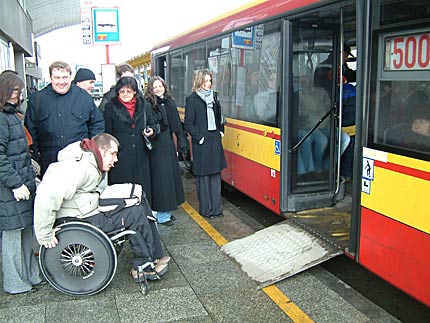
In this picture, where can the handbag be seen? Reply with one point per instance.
(223, 118)
(147, 141)
(116, 197)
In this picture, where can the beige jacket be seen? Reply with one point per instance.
(68, 189)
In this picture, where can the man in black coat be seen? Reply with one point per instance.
(60, 114)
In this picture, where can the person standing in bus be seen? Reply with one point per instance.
(17, 190)
(127, 119)
(203, 123)
(166, 183)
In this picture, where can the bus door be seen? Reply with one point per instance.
(309, 121)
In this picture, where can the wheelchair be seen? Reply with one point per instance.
(85, 260)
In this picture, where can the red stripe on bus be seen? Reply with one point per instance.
(259, 182)
(396, 252)
(403, 170)
(271, 134)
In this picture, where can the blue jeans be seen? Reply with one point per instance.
(312, 151)
(163, 217)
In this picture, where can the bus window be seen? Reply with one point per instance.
(400, 100)
(403, 110)
(261, 74)
(195, 59)
(395, 11)
(177, 72)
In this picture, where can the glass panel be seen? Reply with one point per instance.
(312, 67)
(177, 72)
(247, 77)
(398, 11)
(195, 59)
(402, 117)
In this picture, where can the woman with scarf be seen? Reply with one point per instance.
(127, 119)
(17, 189)
(203, 121)
(166, 182)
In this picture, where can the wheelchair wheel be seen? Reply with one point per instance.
(84, 261)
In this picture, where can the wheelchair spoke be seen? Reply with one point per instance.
(78, 260)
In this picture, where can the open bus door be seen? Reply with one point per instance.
(310, 126)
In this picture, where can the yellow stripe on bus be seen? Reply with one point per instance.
(252, 141)
(394, 194)
(275, 294)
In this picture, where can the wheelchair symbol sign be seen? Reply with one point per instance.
(277, 147)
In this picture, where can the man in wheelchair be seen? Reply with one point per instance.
(69, 190)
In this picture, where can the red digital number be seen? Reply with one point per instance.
(410, 52)
(398, 51)
(424, 46)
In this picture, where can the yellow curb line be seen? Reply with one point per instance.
(274, 293)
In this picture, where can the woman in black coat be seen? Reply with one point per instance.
(17, 189)
(126, 118)
(166, 181)
(203, 121)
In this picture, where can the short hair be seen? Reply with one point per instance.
(126, 81)
(199, 79)
(149, 92)
(9, 71)
(122, 68)
(104, 140)
(60, 66)
(9, 82)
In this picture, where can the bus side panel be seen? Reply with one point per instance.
(255, 180)
(397, 253)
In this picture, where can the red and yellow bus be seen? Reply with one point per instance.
(277, 67)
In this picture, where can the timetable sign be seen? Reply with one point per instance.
(106, 26)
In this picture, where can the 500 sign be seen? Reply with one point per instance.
(408, 52)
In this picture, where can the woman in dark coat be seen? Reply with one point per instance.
(17, 188)
(203, 121)
(126, 119)
(166, 181)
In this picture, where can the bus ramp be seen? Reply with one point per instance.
(279, 251)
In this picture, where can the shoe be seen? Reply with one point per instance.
(161, 269)
(161, 261)
(167, 223)
(41, 283)
(32, 290)
(149, 275)
(209, 216)
(219, 215)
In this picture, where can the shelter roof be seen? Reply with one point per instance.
(49, 15)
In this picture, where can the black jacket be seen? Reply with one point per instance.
(56, 120)
(208, 158)
(166, 181)
(15, 170)
(133, 160)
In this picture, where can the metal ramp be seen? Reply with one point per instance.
(280, 251)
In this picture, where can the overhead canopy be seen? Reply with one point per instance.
(49, 15)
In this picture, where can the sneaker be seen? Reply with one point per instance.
(167, 223)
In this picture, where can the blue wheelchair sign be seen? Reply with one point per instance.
(277, 147)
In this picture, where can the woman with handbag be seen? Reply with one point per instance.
(166, 182)
(203, 121)
(127, 118)
(17, 190)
